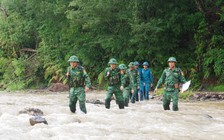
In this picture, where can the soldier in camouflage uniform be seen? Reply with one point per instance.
(113, 75)
(125, 84)
(172, 77)
(79, 83)
(134, 80)
(139, 72)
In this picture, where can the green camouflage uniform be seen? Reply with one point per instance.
(171, 78)
(77, 82)
(134, 83)
(125, 82)
(114, 82)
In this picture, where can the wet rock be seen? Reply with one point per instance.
(76, 120)
(37, 119)
(202, 98)
(32, 111)
(93, 101)
(159, 98)
(221, 97)
(208, 116)
(58, 87)
(151, 96)
(208, 96)
(213, 99)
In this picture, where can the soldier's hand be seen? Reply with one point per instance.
(108, 73)
(138, 87)
(155, 90)
(121, 88)
(86, 89)
(132, 90)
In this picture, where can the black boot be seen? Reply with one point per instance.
(121, 105)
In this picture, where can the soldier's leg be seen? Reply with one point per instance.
(141, 92)
(72, 100)
(175, 100)
(133, 95)
(166, 100)
(136, 95)
(126, 96)
(108, 97)
(147, 91)
(82, 100)
(144, 92)
(119, 97)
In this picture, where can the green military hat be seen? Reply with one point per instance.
(122, 67)
(73, 58)
(131, 64)
(112, 61)
(172, 59)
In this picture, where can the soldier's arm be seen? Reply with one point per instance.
(87, 79)
(68, 71)
(161, 79)
(105, 73)
(123, 80)
(138, 78)
(182, 79)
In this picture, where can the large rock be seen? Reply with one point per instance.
(210, 96)
(37, 119)
(93, 101)
(58, 87)
(32, 111)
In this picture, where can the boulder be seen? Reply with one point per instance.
(32, 111)
(37, 119)
(93, 101)
(58, 87)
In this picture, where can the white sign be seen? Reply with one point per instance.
(185, 86)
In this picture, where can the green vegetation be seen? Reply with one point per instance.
(38, 36)
(217, 88)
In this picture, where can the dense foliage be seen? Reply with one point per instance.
(38, 36)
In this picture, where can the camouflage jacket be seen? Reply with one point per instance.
(125, 80)
(114, 77)
(171, 78)
(134, 77)
(78, 77)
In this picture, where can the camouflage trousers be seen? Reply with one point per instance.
(76, 94)
(167, 96)
(126, 92)
(118, 94)
(133, 95)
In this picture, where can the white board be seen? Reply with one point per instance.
(185, 86)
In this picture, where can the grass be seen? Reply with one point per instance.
(216, 88)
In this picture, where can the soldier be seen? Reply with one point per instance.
(79, 83)
(134, 77)
(125, 84)
(139, 72)
(146, 81)
(112, 74)
(172, 77)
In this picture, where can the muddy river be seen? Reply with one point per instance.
(142, 120)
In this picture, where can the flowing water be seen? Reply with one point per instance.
(143, 120)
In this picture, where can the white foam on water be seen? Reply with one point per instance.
(142, 120)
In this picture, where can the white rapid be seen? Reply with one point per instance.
(142, 120)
